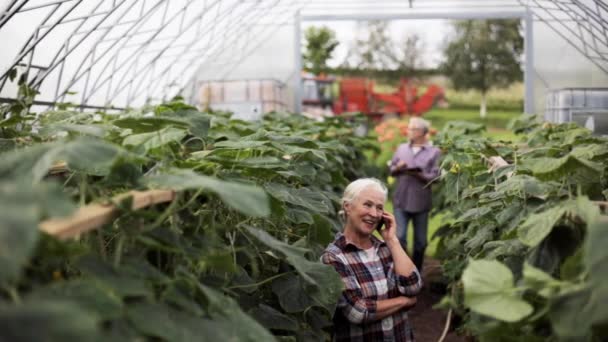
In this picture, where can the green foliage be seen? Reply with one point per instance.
(234, 257)
(521, 249)
(484, 54)
(320, 45)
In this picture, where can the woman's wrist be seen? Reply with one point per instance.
(392, 241)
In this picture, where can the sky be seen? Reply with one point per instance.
(432, 33)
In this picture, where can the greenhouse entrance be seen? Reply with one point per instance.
(524, 15)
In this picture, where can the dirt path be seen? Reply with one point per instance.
(429, 323)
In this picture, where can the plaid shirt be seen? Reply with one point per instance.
(367, 281)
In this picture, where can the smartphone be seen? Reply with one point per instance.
(380, 224)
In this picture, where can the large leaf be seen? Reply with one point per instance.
(555, 168)
(146, 141)
(327, 285)
(489, 290)
(242, 326)
(291, 292)
(86, 293)
(149, 124)
(580, 308)
(539, 225)
(248, 199)
(526, 186)
(273, 319)
(47, 321)
(90, 156)
(304, 197)
(162, 321)
(540, 281)
(22, 205)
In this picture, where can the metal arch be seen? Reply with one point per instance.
(192, 80)
(188, 47)
(29, 47)
(583, 26)
(125, 35)
(233, 45)
(8, 13)
(56, 59)
(209, 46)
(133, 57)
(600, 59)
(180, 55)
(120, 85)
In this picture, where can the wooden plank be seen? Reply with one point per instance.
(92, 216)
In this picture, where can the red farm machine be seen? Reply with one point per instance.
(359, 95)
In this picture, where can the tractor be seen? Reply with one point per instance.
(359, 95)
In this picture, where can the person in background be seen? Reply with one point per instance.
(415, 165)
(380, 280)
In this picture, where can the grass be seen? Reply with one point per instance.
(508, 98)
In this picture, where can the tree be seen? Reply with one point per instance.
(375, 49)
(320, 45)
(409, 53)
(484, 54)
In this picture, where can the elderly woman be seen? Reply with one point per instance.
(380, 280)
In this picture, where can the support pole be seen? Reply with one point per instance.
(529, 64)
(297, 79)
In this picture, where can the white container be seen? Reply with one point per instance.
(586, 106)
(247, 99)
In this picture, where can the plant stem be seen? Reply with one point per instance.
(259, 283)
(118, 251)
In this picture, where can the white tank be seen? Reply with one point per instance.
(586, 106)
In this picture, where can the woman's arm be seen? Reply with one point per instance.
(387, 307)
(407, 278)
(355, 307)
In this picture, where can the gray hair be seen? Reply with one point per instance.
(352, 191)
(420, 123)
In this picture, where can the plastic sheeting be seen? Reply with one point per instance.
(131, 52)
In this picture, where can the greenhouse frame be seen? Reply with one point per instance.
(101, 54)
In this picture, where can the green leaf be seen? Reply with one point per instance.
(539, 225)
(326, 283)
(474, 214)
(47, 321)
(161, 321)
(7, 145)
(147, 125)
(525, 186)
(555, 168)
(248, 199)
(304, 197)
(291, 292)
(22, 206)
(147, 141)
(240, 144)
(91, 156)
(573, 312)
(12, 74)
(242, 326)
(273, 319)
(540, 281)
(52, 130)
(488, 290)
(86, 293)
(299, 216)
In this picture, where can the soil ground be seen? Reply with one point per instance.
(428, 323)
